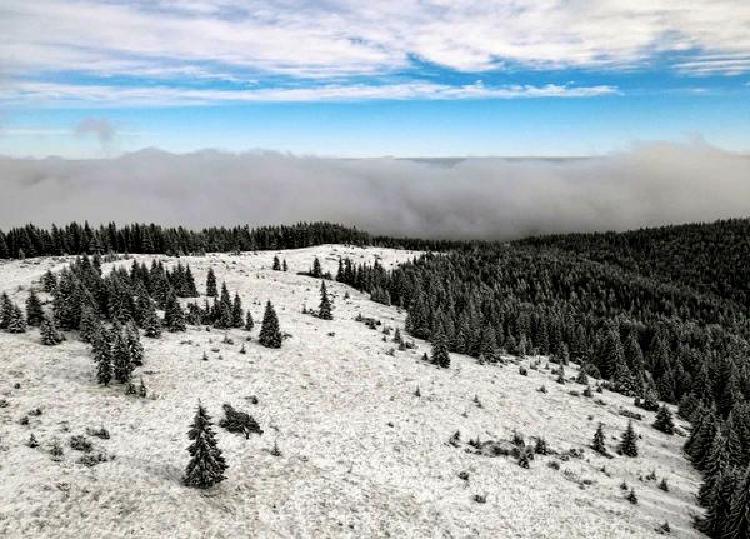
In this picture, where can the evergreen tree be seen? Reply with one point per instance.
(664, 421)
(207, 465)
(6, 310)
(717, 462)
(89, 324)
(174, 317)
(599, 445)
(738, 523)
(151, 324)
(102, 351)
(121, 359)
(211, 283)
(628, 444)
(316, 271)
(17, 321)
(34, 311)
(135, 348)
(719, 504)
(49, 334)
(49, 282)
(276, 263)
(440, 355)
(324, 311)
(582, 377)
(270, 335)
(249, 322)
(237, 311)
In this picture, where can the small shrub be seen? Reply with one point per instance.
(100, 433)
(80, 443)
(32, 443)
(522, 371)
(276, 452)
(463, 475)
(540, 447)
(554, 465)
(542, 389)
(480, 498)
(239, 422)
(631, 497)
(663, 485)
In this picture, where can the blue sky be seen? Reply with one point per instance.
(86, 78)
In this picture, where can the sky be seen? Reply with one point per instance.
(344, 78)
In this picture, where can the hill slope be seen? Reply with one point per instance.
(361, 454)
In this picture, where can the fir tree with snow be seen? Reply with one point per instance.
(17, 321)
(664, 421)
(34, 311)
(270, 335)
(211, 283)
(324, 311)
(599, 445)
(440, 355)
(249, 322)
(207, 465)
(629, 442)
(48, 331)
(237, 312)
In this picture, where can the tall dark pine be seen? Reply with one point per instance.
(101, 347)
(122, 361)
(207, 465)
(237, 311)
(738, 524)
(6, 310)
(211, 283)
(276, 263)
(17, 321)
(89, 324)
(270, 335)
(34, 311)
(440, 355)
(324, 311)
(249, 322)
(629, 442)
(316, 271)
(664, 421)
(49, 334)
(174, 317)
(598, 444)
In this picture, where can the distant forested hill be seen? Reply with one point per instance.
(706, 257)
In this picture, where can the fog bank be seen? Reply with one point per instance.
(651, 184)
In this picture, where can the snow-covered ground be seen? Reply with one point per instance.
(362, 456)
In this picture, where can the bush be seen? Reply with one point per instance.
(239, 422)
(80, 443)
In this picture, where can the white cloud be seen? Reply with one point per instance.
(302, 38)
(103, 95)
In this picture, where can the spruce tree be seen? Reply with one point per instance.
(719, 504)
(89, 324)
(717, 462)
(34, 311)
(440, 355)
(207, 465)
(17, 321)
(174, 317)
(49, 334)
(6, 310)
(628, 442)
(121, 359)
(237, 312)
(324, 311)
(211, 283)
(249, 322)
(101, 347)
(135, 348)
(276, 263)
(664, 421)
(270, 335)
(151, 323)
(316, 271)
(599, 445)
(738, 523)
(49, 282)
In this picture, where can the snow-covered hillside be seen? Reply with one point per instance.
(361, 454)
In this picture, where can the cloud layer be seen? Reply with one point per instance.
(652, 184)
(302, 49)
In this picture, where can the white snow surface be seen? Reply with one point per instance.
(362, 456)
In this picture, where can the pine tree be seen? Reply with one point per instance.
(582, 377)
(211, 283)
(738, 523)
(324, 311)
(174, 317)
(49, 282)
(133, 341)
(276, 263)
(717, 462)
(17, 321)
(151, 324)
(49, 334)
(316, 271)
(249, 322)
(6, 310)
(599, 445)
(237, 311)
(719, 504)
(664, 421)
(34, 311)
(628, 444)
(89, 324)
(207, 465)
(121, 359)
(440, 355)
(270, 335)
(102, 351)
